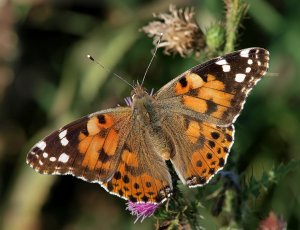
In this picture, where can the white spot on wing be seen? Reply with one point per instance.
(41, 163)
(63, 158)
(250, 61)
(41, 145)
(240, 77)
(52, 159)
(64, 141)
(62, 134)
(259, 63)
(248, 69)
(45, 155)
(245, 53)
(226, 68)
(222, 62)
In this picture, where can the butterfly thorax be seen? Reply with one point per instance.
(148, 117)
(144, 109)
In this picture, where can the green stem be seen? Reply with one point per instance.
(235, 10)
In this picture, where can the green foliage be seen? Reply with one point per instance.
(269, 178)
(179, 212)
(215, 37)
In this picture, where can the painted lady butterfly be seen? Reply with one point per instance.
(189, 122)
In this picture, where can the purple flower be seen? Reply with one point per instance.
(141, 209)
(128, 101)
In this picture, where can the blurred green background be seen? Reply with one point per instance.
(46, 81)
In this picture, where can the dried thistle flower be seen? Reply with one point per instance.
(142, 210)
(180, 32)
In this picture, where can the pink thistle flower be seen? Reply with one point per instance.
(141, 210)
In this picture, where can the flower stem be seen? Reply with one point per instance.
(235, 10)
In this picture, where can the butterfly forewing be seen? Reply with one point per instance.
(88, 148)
(216, 90)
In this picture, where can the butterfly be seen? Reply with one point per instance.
(188, 122)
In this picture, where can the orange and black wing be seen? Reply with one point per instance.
(142, 174)
(106, 148)
(215, 91)
(201, 149)
(88, 148)
(205, 101)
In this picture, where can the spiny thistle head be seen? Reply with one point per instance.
(180, 32)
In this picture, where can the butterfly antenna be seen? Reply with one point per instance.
(156, 47)
(108, 70)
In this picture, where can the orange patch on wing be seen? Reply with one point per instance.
(210, 77)
(130, 158)
(211, 159)
(81, 136)
(94, 126)
(111, 142)
(179, 89)
(208, 129)
(193, 131)
(102, 165)
(198, 164)
(151, 186)
(216, 96)
(196, 104)
(217, 85)
(143, 188)
(84, 144)
(92, 153)
(219, 112)
(193, 81)
(109, 121)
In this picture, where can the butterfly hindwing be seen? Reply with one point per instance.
(142, 174)
(209, 157)
(215, 91)
(201, 149)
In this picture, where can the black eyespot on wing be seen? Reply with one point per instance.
(101, 119)
(183, 82)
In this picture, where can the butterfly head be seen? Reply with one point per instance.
(142, 103)
(140, 95)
